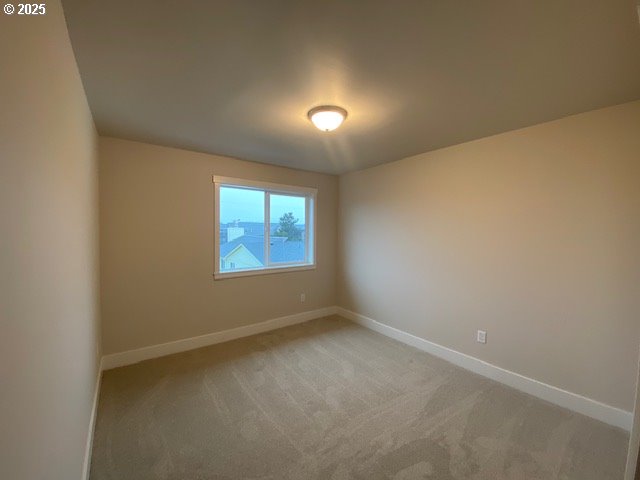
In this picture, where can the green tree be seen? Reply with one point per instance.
(287, 227)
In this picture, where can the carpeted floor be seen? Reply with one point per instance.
(331, 400)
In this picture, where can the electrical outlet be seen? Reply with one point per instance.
(482, 336)
(303, 297)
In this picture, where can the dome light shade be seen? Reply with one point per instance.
(327, 117)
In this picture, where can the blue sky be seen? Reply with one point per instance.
(248, 206)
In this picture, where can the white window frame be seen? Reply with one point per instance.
(308, 193)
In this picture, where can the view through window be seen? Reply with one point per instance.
(263, 227)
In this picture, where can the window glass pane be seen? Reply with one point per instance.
(287, 229)
(241, 229)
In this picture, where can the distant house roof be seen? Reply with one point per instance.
(282, 250)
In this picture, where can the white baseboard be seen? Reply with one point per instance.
(572, 401)
(92, 425)
(129, 357)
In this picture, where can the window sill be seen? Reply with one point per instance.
(262, 271)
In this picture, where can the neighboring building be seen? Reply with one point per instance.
(234, 232)
(231, 230)
(247, 251)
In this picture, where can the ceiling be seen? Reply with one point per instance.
(237, 77)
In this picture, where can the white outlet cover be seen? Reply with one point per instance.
(303, 297)
(482, 336)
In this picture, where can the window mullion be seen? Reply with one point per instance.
(267, 228)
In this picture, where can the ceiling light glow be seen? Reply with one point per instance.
(327, 117)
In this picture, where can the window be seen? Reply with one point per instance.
(262, 227)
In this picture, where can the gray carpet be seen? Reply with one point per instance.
(331, 400)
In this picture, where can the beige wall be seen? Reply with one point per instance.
(48, 252)
(532, 235)
(156, 213)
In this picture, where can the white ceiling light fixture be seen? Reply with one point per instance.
(327, 117)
